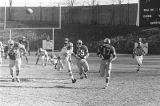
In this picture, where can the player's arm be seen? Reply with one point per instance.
(99, 51)
(86, 53)
(27, 44)
(70, 51)
(134, 52)
(22, 47)
(113, 54)
(75, 53)
(143, 52)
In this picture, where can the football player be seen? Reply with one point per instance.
(65, 56)
(25, 42)
(138, 54)
(108, 55)
(14, 58)
(81, 53)
(44, 54)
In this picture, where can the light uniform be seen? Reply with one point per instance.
(44, 54)
(81, 54)
(138, 53)
(15, 58)
(106, 52)
(65, 55)
(1, 52)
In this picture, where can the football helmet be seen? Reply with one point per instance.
(10, 42)
(107, 41)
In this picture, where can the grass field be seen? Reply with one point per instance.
(44, 86)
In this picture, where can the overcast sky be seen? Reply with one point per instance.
(62, 2)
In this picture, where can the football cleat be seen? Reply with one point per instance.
(12, 79)
(74, 80)
(106, 86)
(85, 75)
(81, 77)
(18, 80)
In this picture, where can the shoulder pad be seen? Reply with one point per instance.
(70, 44)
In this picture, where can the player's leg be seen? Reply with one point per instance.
(59, 64)
(11, 67)
(139, 61)
(108, 72)
(43, 60)
(70, 59)
(18, 67)
(28, 50)
(0, 59)
(79, 66)
(5, 55)
(26, 57)
(68, 63)
(85, 67)
(46, 58)
(102, 68)
(38, 58)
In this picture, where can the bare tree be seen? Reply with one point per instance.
(120, 1)
(93, 2)
(86, 2)
(71, 2)
(117, 1)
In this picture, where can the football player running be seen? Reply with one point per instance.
(108, 55)
(65, 56)
(81, 53)
(14, 58)
(44, 54)
(138, 54)
(25, 42)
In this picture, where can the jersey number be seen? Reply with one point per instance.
(106, 51)
(81, 53)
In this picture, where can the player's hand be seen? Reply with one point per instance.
(100, 56)
(110, 60)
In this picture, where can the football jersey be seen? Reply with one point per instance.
(14, 52)
(69, 45)
(25, 43)
(43, 53)
(138, 51)
(106, 51)
(67, 48)
(81, 51)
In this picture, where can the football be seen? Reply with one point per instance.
(29, 11)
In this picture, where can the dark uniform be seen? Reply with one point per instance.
(81, 55)
(108, 54)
